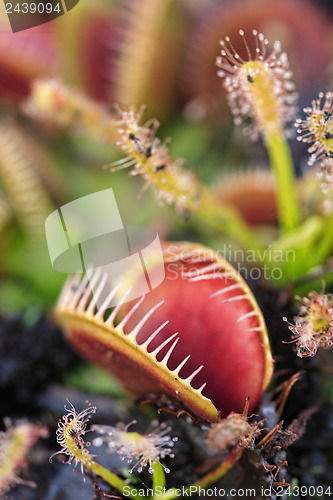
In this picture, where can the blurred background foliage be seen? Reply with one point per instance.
(161, 54)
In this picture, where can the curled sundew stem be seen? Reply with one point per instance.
(212, 477)
(283, 168)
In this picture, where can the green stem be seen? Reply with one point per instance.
(303, 236)
(294, 252)
(158, 479)
(227, 219)
(112, 479)
(212, 477)
(283, 168)
(326, 244)
(82, 455)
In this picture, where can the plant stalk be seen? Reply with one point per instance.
(283, 168)
(158, 479)
(212, 477)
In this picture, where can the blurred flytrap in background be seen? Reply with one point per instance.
(88, 103)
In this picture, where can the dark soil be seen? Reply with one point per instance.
(35, 359)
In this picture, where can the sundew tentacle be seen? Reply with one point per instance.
(140, 450)
(313, 328)
(260, 91)
(259, 87)
(317, 127)
(70, 432)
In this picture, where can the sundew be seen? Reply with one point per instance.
(142, 449)
(317, 127)
(259, 89)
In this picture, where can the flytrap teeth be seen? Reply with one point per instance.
(77, 303)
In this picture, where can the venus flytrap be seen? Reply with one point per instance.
(171, 344)
(193, 375)
(136, 60)
(192, 367)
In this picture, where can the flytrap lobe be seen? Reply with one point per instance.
(198, 338)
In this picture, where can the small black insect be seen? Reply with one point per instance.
(250, 79)
(159, 167)
(328, 115)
